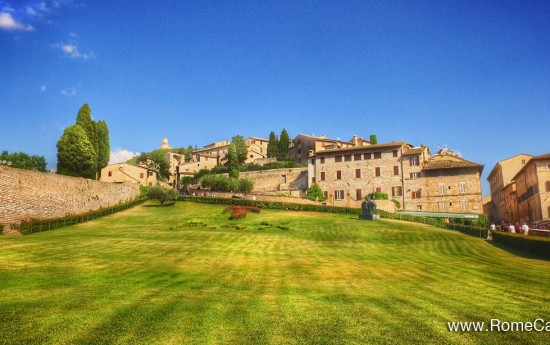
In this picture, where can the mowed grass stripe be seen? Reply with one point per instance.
(178, 275)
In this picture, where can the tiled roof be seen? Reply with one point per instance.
(362, 148)
(454, 163)
(413, 151)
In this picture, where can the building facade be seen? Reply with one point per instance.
(533, 190)
(500, 177)
(444, 182)
(124, 172)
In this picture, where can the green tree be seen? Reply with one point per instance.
(315, 193)
(104, 145)
(373, 139)
(75, 154)
(272, 145)
(242, 150)
(233, 161)
(84, 120)
(156, 160)
(284, 144)
(22, 160)
(245, 186)
(162, 195)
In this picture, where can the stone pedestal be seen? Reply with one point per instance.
(369, 216)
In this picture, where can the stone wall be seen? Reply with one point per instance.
(291, 181)
(26, 194)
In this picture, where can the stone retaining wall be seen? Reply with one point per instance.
(26, 194)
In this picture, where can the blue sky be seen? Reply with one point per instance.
(473, 76)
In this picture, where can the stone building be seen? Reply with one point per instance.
(444, 182)
(533, 190)
(302, 144)
(124, 172)
(500, 177)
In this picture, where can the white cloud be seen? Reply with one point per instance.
(8, 23)
(70, 92)
(70, 49)
(121, 156)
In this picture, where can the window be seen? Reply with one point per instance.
(462, 187)
(347, 158)
(441, 189)
(396, 170)
(414, 161)
(313, 161)
(357, 173)
(416, 195)
(357, 157)
(312, 180)
(358, 194)
(339, 195)
(283, 179)
(322, 160)
(367, 156)
(463, 205)
(149, 173)
(141, 175)
(394, 153)
(325, 194)
(419, 207)
(377, 171)
(150, 184)
(110, 173)
(442, 206)
(338, 159)
(377, 155)
(415, 175)
(548, 187)
(397, 191)
(523, 161)
(339, 174)
(322, 175)
(378, 189)
(461, 172)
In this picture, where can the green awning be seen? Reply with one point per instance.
(440, 214)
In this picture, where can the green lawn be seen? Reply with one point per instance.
(171, 275)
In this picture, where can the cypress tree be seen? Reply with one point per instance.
(104, 146)
(233, 161)
(84, 120)
(284, 144)
(240, 145)
(272, 145)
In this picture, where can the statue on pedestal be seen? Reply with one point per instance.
(368, 208)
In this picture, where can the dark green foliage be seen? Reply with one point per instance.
(104, 146)
(187, 180)
(531, 244)
(220, 183)
(269, 166)
(284, 144)
(379, 196)
(240, 146)
(143, 191)
(272, 145)
(157, 161)
(233, 161)
(397, 203)
(84, 120)
(201, 173)
(219, 169)
(162, 195)
(22, 160)
(75, 154)
(373, 139)
(315, 193)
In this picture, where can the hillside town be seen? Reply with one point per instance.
(439, 184)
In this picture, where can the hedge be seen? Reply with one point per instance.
(274, 205)
(31, 226)
(532, 244)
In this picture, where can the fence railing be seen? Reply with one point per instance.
(32, 226)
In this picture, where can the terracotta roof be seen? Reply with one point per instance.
(450, 164)
(371, 147)
(413, 151)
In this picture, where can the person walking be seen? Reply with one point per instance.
(525, 229)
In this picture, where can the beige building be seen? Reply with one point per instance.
(444, 182)
(302, 145)
(533, 190)
(502, 175)
(124, 172)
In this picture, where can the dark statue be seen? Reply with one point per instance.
(368, 208)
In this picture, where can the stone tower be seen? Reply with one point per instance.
(164, 144)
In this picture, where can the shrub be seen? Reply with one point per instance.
(158, 193)
(220, 183)
(397, 203)
(380, 196)
(532, 244)
(315, 193)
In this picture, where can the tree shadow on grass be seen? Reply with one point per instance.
(518, 252)
(167, 204)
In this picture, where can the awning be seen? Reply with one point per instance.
(440, 214)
